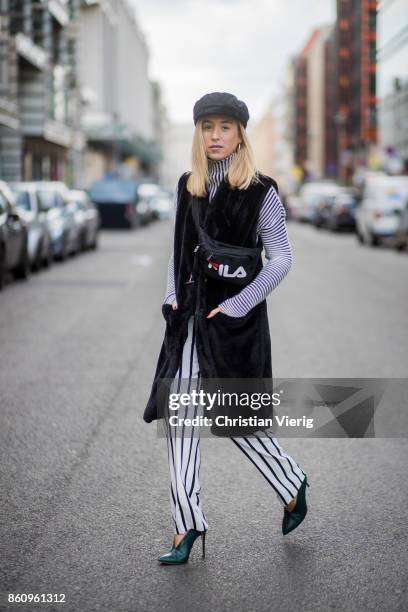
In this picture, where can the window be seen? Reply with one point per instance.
(371, 83)
(46, 199)
(372, 20)
(22, 199)
(372, 52)
(37, 22)
(4, 73)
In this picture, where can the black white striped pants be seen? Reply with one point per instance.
(280, 470)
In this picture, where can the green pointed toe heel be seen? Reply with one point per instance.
(291, 520)
(180, 553)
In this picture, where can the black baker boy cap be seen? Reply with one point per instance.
(221, 103)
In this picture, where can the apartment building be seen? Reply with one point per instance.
(40, 136)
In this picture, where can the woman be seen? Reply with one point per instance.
(216, 329)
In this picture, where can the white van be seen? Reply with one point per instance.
(376, 216)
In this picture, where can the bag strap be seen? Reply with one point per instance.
(199, 278)
(196, 215)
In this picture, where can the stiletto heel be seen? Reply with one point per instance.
(180, 553)
(291, 520)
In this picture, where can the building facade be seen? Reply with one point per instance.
(300, 110)
(310, 98)
(330, 131)
(40, 136)
(76, 99)
(120, 101)
(393, 81)
(355, 119)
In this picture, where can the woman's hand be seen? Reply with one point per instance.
(174, 306)
(214, 312)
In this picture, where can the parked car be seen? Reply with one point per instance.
(53, 196)
(147, 192)
(312, 195)
(144, 210)
(87, 218)
(162, 206)
(336, 211)
(39, 236)
(322, 211)
(117, 201)
(401, 233)
(341, 215)
(293, 207)
(378, 215)
(14, 254)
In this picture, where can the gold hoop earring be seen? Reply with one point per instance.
(238, 147)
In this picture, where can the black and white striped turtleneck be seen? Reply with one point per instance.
(273, 231)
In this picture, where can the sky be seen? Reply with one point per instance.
(239, 46)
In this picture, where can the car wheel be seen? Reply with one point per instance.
(400, 246)
(64, 249)
(22, 270)
(38, 259)
(94, 244)
(49, 257)
(78, 244)
(75, 248)
(374, 241)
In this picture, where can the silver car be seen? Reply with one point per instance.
(377, 217)
(39, 237)
(61, 221)
(86, 216)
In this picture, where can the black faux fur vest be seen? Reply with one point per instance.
(227, 347)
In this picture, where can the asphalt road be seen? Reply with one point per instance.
(84, 483)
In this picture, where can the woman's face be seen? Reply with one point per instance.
(221, 136)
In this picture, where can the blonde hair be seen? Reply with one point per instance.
(241, 172)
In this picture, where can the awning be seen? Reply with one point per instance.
(128, 143)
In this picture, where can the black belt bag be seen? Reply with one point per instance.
(222, 261)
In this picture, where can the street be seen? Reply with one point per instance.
(84, 479)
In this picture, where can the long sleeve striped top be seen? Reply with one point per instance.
(278, 252)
